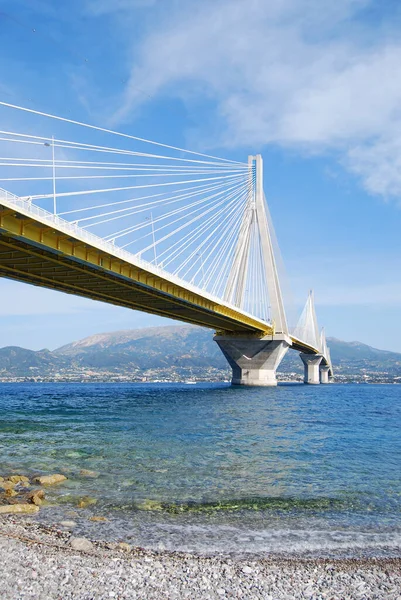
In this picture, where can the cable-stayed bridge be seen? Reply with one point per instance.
(152, 227)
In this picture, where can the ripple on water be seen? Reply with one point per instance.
(208, 468)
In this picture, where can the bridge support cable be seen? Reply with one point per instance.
(192, 197)
(110, 131)
(307, 328)
(307, 331)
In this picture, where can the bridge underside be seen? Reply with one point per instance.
(33, 253)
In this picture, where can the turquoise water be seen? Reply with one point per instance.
(305, 470)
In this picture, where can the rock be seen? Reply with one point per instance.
(50, 479)
(19, 508)
(86, 501)
(81, 544)
(7, 485)
(98, 519)
(37, 497)
(124, 546)
(10, 493)
(1, 479)
(88, 473)
(19, 479)
(68, 524)
(150, 505)
(12, 500)
(247, 570)
(111, 545)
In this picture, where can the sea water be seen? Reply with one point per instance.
(208, 468)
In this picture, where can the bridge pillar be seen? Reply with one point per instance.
(311, 367)
(324, 373)
(254, 361)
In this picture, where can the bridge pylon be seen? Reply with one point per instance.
(254, 360)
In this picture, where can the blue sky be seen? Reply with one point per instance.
(316, 91)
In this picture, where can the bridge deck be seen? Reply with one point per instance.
(36, 251)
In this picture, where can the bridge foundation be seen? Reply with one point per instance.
(254, 361)
(311, 367)
(324, 373)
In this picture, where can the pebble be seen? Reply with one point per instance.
(247, 570)
(68, 524)
(124, 546)
(81, 544)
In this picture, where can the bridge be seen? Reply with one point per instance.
(181, 234)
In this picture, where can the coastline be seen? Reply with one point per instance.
(38, 561)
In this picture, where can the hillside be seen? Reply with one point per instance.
(174, 353)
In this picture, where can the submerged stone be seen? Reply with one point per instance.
(88, 473)
(68, 524)
(86, 501)
(50, 479)
(37, 497)
(150, 505)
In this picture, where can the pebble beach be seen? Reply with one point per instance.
(46, 563)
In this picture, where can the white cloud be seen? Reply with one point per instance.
(288, 72)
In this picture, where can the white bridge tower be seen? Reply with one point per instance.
(254, 360)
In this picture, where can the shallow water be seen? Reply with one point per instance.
(305, 470)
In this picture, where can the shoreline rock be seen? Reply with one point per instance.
(49, 479)
(6, 509)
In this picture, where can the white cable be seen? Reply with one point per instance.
(185, 208)
(138, 226)
(174, 251)
(95, 207)
(219, 279)
(125, 135)
(186, 225)
(123, 212)
(134, 187)
(136, 175)
(225, 227)
(205, 240)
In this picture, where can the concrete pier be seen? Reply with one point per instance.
(254, 361)
(324, 373)
(311, 367)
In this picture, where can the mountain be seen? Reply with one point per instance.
(153, 347)
(175, 353)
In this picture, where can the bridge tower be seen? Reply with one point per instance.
(254, 360)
